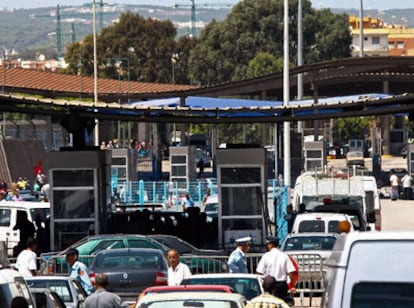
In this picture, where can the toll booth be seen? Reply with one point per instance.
(80, 200)
(183, 164)
(123, 166)
(410, 159)
(314, 154)
(241, 179)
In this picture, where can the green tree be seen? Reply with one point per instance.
(226, 48)
(351, 128)
(263, 64)
(146, 44)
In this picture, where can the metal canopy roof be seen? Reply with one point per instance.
(215, 110)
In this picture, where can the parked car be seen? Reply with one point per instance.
(192, 299)
(309, 244)
(189, 288)
(89, 246)
(68, 288)
(319, 222)
(184, 288)
(211, 206)
(131, 270)
(45, 298)
(204, 263)
(355, 158)
(12, 284)
(248, 285)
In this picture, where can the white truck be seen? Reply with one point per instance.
(342, 193)
(370, 269)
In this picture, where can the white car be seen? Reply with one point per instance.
(309, 243)
(192, 299)
(319, 222)
(68, 288)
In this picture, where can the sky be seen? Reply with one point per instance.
(346, 4)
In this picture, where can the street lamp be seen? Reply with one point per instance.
(80, 73)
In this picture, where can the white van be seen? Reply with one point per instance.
(370, 269)
(8, 215)
(319, 222)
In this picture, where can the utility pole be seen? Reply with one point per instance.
(193, 12)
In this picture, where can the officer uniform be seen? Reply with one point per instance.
(237, 262)
(278, 265)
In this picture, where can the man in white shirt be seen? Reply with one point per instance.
(277, 264)
(26, 260)
(177, 271)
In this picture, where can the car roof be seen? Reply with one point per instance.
(8, 275)
(189, 288)
(227, 275)
(51, 277)
(321, 215)
(311, 234)
(191, 295)
(129, 251)
(344, 242)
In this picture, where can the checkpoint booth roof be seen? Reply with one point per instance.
(251, 110)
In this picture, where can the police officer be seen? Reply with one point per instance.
(237, 262)
(78, 270)
(277, 264)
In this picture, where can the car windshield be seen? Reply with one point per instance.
(309, 243)
(180, 246)
(61, 287)
(249, 287)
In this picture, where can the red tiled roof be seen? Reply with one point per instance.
(57, 82)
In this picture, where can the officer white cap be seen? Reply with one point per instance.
(243, 240)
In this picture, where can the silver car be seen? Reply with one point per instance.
(68, 288)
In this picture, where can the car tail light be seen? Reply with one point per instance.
(161, 279)
(92, 276)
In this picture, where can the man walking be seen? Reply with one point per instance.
(407, 183)
(237, 262)
(101, 297)
(177, 271)
(78, 270)
(277, 264)
(26, 260)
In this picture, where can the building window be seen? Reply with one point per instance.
(391, 45)
(375, 40)
(400, 45)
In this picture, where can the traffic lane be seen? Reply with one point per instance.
(397, 215)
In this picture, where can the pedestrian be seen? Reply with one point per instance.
(290, 217)
(78, 270)
(26, 260)
(407, 183)
(188, 201)
(277, 264)
(267, 299)
(205, 197)
(101, 297)
(394, 182)
(177, 271)
(237, 262)
(200, 166)
(26, 229)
